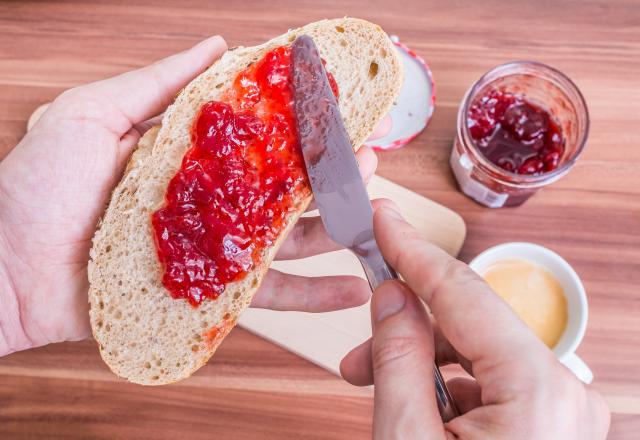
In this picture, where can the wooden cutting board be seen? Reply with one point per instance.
(324, 338)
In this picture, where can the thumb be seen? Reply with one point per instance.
(138, 95)
(403, 359)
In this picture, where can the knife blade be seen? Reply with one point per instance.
(337, 186)
(340, 195)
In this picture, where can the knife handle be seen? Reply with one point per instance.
(377, 271)
(375, 268)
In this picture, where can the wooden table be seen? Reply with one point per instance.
(253, 389)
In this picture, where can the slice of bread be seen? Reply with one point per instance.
(144, 334)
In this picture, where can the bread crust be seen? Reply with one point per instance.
(146, 336)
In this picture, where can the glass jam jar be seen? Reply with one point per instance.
(545, 90)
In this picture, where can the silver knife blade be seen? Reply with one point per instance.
(332, 168)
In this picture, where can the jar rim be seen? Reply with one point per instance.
(554, 76)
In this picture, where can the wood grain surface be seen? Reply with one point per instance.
(252, 389)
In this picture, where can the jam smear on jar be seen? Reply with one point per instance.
(515, 134)
(237, 185)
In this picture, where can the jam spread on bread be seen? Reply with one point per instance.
(238, 183)
(515, 134)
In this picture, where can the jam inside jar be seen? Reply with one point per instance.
(520, 127)
(515, 134)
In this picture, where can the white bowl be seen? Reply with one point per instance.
(578, 309)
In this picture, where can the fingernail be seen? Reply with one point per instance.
(388, 301)
(392, 211)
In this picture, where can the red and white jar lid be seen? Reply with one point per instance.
(414, 106)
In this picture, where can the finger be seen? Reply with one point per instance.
(281, 291)
(36, 115)
(356, 367)
(367, 164)
(131, 138)
(140, 94)
(402, 358)
(465, 392)
(382, 129)
(446, 353)
(473, 318)
(144, 126)
(308, 237)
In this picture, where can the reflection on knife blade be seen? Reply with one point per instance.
(310, 97)
(331, 164)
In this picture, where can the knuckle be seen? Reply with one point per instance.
(456, 269)
(404, 257)
(453, 270)
(74, 97)
(392, 351)
(72, 94)
(78, 104)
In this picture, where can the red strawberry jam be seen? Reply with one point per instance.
(515, 134)
(237, 185)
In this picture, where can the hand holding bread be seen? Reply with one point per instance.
(64, 171)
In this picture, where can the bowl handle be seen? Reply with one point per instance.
(579, 368)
